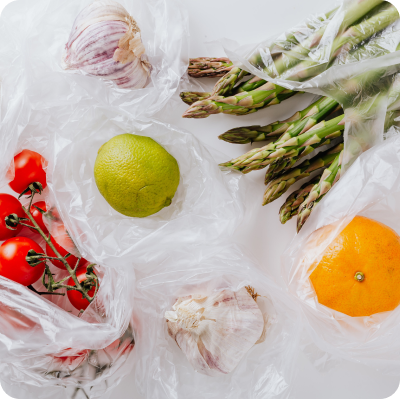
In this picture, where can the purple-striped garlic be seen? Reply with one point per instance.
(105, 41)
(216, 331)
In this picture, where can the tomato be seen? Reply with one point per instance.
(28, 166)
(9, 205)
(71, 260)
(13, 264)
(75, 297)
(14, 323)
(38, 216)
(66, 362)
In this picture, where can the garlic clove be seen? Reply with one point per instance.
(216, 331)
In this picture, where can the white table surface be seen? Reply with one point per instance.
(262, 232)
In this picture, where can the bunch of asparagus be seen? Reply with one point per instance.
(288, 142)
(290, 60)
(300, 135)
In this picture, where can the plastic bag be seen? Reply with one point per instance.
(205, 206)
(347, 53)
(33, 37)
(369, 188)
(44, 344)
(163, 371)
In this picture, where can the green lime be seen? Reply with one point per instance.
(136, 175)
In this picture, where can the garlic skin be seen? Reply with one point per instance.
(216, 331)
(105, 41)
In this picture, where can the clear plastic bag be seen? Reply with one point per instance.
(349, 53)
(369, 188)
(163, 371)
(44, 344)
(206, 206)
(33, 37)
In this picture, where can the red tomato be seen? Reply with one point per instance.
(13, 323)
(75, 297)
(28, 169)
(13, 264)
(38, 216)
(71, 260)
(9, 205)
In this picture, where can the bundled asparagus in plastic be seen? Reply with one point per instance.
(317, 193)
(288, 145)
(209, 67)
(294, 64)
(361, 20)
(281, 184)
(291, 206)
(381, 17)
(329, 177)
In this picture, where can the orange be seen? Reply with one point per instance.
(359, 273)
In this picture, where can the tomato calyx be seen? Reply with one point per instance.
(33, 188)
(12, 221)
(33, 258)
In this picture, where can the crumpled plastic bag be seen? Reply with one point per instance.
(206, 206)
(33, 37)
(44, 344)
(163, 371)
(370, 188)
(323, 56)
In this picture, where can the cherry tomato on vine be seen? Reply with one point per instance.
(75, 297)
(13, 264)
(9, 205)
(37, 215)
(28, 166)
(71, 260)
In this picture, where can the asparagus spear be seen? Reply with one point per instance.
(190, 97)
(209, 67)
(240, 104)
(329, 177)
(226, 88)
(226, 84)
(250, 134)
(259, 158)
(280, 185)
(291, 206)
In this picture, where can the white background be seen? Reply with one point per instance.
(261, 233)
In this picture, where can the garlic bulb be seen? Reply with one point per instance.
(216, 331)
(105, 41)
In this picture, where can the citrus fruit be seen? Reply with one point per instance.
(136, 175)
(359, 273)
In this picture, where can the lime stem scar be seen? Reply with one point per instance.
(359, 276)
